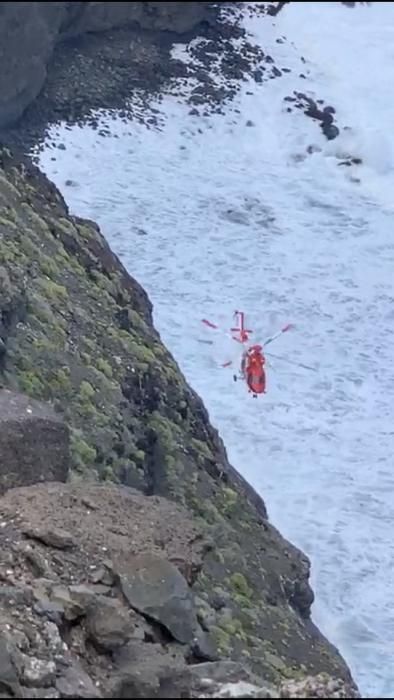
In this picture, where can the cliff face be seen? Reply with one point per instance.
(29, 32)
(76, 331)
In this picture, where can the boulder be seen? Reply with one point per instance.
(156, 589)
(34, 442)
(203, 647)
(108, 624)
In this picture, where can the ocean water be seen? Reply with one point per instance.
(211, 215)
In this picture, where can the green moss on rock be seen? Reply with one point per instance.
(240, 586)
(53, 291)
(84, 455)
(31, 384)
(105, 367)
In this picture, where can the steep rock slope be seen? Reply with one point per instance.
(76, 331)
(95, 604)
(29, 32)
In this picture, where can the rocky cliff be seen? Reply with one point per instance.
(76, 333)
(164, 577)
(30, 31)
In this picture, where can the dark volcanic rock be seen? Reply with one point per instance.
(156, 589)
(108, 624)
(314, 110)
(34, 442)
(29, 32)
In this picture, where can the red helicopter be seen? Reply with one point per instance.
(253, 362)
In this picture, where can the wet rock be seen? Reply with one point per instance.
(324, 115)
(108, 624)
(60, 539)
(330, 131)
(74, 682)
(155, 588)
(37, 673)
(34, 442)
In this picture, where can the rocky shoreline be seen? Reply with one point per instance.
(84, 370)
(128, 68)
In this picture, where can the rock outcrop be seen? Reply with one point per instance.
(34, 442)
(83, 341)
(30, 31)
(70, 627)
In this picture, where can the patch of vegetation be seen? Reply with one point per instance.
(53, 291)
(83, 455)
